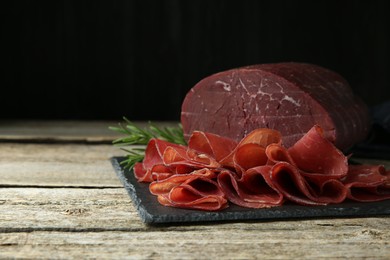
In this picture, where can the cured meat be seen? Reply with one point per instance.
(195, 192)
(295, 187)
(257, 172)
(153, 156)
(212, 145)
(251, 150)
(288, 97)
(162, 187)
(368, 183)
(308, 173)
(317, 157)
(254, 189)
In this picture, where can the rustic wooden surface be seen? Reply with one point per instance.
(63, 200)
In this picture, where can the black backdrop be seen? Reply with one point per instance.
(106, 59)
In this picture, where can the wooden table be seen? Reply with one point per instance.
(60, 198)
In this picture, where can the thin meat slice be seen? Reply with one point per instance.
(160, 172)
(262, 137)
(196, 192)
(368, 183)
(295, 187)
(213, 145)
(155, 150)
(141, 174)
(164, 186)
(153, 155)
(248, 156)
(278, 153)
(250, 151)
(174, 156)
(317, 157)
(253, 190)
(288, 97)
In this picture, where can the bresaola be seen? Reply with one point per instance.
(257, 172)
(262, 135)
(288, 97)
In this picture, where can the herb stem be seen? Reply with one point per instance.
(135, 135)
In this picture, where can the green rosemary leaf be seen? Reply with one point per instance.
(133, 156)
(135, 135)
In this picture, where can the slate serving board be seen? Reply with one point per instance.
(152, 212)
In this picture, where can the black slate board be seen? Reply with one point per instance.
(152, 212)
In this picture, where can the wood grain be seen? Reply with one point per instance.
(57, 165)
(57, 131)
(101, 223)
(64, 131)
(197, 244)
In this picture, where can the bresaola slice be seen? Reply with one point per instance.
(257, 172)
(153, 156)
(288, 97)
(367, 183)
(195, 192)
(251, 150)
(211, 144)
(290, 181)
(317, 157)
(254, 189)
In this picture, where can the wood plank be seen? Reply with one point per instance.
(66, 209)
(63, 131)
(111, 209)
(99, 223)
(57, 165)
(247, 244)
(59, 130)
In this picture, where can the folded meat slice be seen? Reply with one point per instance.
(141, 174)
(213, 145)
(250, 151)
(253, 190)
(367, 183)
(196, 192)
(317, 157)
(278, 153)
(153, 155)
(295, 187)
(164, 186)
(288, 97)
(186, 157)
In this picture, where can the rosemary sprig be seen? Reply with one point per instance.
(135, 135)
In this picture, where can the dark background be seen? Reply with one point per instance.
(108, 59)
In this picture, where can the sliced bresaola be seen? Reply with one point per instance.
(160, 172)
(153, 155)
(288, 97)
(367, 183)
(277, 153)
(163, 158)
(186, 157)
(317, 157)
(196, 192)
(254, 189)
(250, 151)
(164, 186)
(295, 187)
(141, 174)
(213, 145)
(257, 172)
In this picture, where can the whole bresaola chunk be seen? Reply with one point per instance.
(288, 97)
